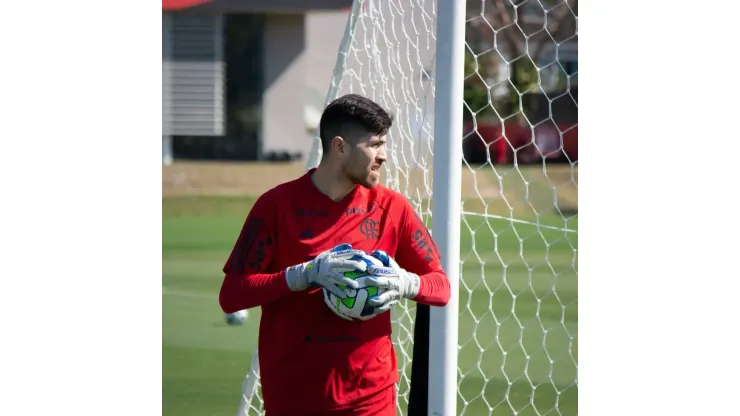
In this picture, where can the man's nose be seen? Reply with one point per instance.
(381, 156)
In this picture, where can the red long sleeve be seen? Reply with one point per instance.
(434, 289)
(244, 292)
(248, 281)
(418, 253)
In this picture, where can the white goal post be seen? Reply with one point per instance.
(507, 341)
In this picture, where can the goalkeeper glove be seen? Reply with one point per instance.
(326, 271)
(397, 282)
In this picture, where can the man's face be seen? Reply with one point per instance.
(366, 156)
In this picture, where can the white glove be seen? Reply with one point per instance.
(397, 282)
(326, 271)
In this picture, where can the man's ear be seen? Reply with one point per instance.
(338, 144)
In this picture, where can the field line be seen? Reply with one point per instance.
(509, 219)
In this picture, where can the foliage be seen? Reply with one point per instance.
(516, 33)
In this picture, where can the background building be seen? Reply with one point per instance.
(245, 79)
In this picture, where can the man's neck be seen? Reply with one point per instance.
(330, 182)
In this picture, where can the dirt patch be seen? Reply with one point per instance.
(525, 190)
(474, 182)
(191, 178)
(562, 177)
(480, 187)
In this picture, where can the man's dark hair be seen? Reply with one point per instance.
(352, 117)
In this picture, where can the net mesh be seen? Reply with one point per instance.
(518, 288)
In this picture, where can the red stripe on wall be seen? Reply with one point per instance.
(181, 4)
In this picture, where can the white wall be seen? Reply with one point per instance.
(324, 31)
(283, 128)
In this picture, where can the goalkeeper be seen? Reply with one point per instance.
(297, 238)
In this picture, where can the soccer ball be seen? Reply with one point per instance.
(355, 305)
(236, 318)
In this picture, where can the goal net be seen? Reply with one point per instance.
(517, 314)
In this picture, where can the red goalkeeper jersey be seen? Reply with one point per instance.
(310, 359)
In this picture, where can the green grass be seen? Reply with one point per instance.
(518, 327)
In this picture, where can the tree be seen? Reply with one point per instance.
(516, 33)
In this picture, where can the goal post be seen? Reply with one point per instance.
(447, 180)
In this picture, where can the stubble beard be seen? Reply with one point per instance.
(363, 181)
(362, 178)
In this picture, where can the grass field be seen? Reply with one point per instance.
(518, 300)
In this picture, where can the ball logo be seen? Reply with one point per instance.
(369, 228)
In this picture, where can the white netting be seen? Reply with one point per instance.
(518, 287)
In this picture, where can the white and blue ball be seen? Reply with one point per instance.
(236, 318)
(355, 306)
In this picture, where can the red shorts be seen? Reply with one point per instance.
(382, 403)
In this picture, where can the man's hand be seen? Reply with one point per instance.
(397, 282)
(326, 270)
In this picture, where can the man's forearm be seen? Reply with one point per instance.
(434, 289)
(248, 291)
